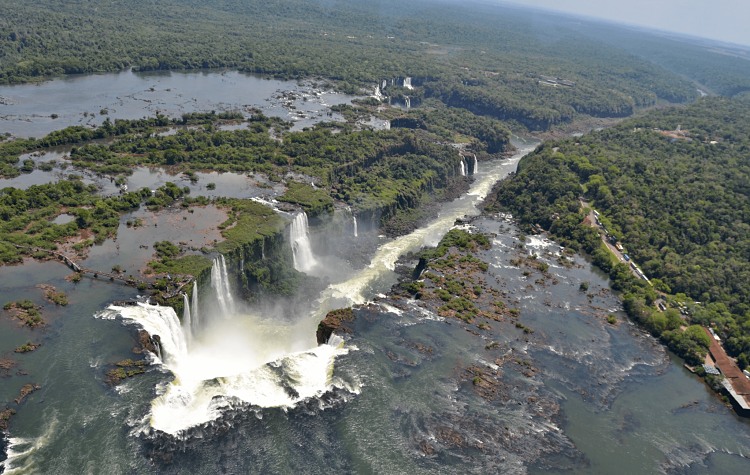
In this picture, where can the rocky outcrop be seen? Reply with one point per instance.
(335, 321)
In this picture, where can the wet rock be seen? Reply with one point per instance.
(334, 322)
(125, 369)
(26, 390)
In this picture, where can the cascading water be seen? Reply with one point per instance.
(194, 314)
(246, 358)
(463, 170)
(407, 101)
(355, 225)
(263, 249)
(187, 323)
(407, 83)
(357, 289)
(220, 283)
(385, 83)
(258, 360)
(476, 165)
(300, 241)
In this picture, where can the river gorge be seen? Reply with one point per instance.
(236, 387)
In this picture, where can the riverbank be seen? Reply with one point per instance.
(533, 330)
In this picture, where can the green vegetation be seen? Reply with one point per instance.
(611, 319)
(26, 348)
(59, 298)
(679, 206)
(188, 265)
(166, 249)
(485, 59)
(461, 240)
(313, 201)
(25, 215)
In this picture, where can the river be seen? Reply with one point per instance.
(253, 393)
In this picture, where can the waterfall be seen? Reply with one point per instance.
(265, 362)
(407, 101)
(187, 324)
(355, 225)
(385, 83)
(476, 165)
(300, 240)
(263, 249)
(463, 170)
(194, 315)
(242, 265)
(220, 283)
(225, 280)
(407, 83)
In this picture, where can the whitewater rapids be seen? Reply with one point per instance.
(263, 362)
(272, 362)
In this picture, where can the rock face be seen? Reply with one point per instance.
(334, 322)
(146, 342)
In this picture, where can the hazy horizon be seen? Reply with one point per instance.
(722, 20)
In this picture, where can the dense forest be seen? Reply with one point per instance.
(491, 67)
(718, 68)
(679, 206)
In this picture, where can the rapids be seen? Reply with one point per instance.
(266, 360)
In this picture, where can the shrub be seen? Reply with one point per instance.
(583, 287)
(611, 319)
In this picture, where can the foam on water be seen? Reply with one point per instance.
(263, 362)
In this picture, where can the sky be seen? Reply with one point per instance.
(724, 20)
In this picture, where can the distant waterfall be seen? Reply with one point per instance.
(187, 324)
(300, 240)
(407, 101)
(263, 249)
(355, 225)
(242, 265)
(463, 170)
(407, 83)
(385, 83)
(194, 314)
(220, 283)
(476, 165)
